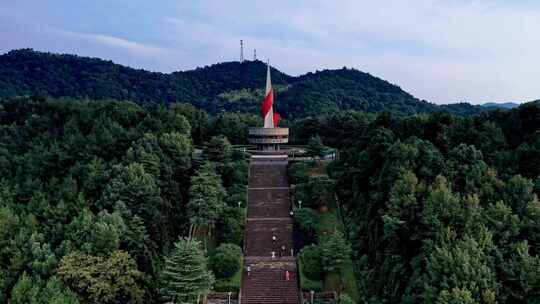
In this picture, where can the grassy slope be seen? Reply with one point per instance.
(330, 224)
(333, 224)
(231, 284)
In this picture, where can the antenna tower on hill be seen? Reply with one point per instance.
(241, 51)
(254, 54)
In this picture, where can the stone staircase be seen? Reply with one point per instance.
(259, 234)
(268, 203)
(266, 284)
(268, 216)
(268, 174)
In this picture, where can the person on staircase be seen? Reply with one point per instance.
(287, 275)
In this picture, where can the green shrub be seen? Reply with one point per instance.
(307, 284)
(334, 252)
(236, 193)
(298, 173)
(312, 192)
(310, 257)
(234, 173)
(308, 223)
(231, 226)
(226, 285)
(231, 284)
(225, 261)
(302, 192)
(345, 299)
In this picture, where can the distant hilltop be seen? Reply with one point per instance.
(228, 86)
(503, 105)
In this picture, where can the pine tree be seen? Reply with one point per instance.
(218, 149)
(186, 277)
(207, 197)
(315, 147)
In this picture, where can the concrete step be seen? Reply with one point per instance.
(259, 233)
(268, 175)
(269, 285)
(268, 215)
(265, 202)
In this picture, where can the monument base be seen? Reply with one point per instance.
(268, 139)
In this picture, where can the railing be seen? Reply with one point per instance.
(223, 298)
(269, 131)
(269, 140)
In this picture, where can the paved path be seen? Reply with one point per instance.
(268, 216)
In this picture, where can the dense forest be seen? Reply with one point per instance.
(98, 197)
(437, 208)
(230, 86)
(95, 194)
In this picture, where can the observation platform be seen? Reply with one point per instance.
(268, 139)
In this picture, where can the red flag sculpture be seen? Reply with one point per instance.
(267, 109)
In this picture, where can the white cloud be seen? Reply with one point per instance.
(120, 43)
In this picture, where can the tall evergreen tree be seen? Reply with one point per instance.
(186, 277)
(207, 197)
(218, 149)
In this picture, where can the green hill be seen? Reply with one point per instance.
(500, 105)
(229, 86)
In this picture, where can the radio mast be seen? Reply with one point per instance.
(241, 51)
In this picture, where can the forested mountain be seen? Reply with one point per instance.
(229, 86)
(27, 72)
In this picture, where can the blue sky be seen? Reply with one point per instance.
(441, 51)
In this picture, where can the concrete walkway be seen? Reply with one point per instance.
(268, 217)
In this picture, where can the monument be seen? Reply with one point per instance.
(270, 136)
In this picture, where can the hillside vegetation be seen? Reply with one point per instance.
(229, 86)
(94, 196)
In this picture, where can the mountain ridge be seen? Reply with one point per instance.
(500, 105)
(212, 87)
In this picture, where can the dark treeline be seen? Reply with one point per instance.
(229, 86)
(93, 194)
(438, 208)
